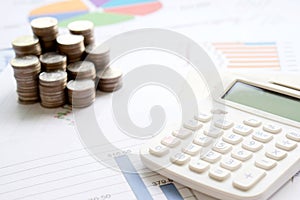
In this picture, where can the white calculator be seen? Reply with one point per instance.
(246, 151)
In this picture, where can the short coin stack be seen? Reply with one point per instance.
(52, 89)
(26, 71)
(82, 70)
(46, 29)
(53, 61)
(81, 93)
(99, 55)
(84, 28)
(72, 46)
(27, 45)
(110, 80)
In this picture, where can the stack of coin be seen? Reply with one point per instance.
(84, 28)
(72, 46)
(52, 89)
(26, 71)
(46, 29)
(99, 55)
(81, 93)
(82, 70)
(53, 61)
(26, 45)
(110, 80)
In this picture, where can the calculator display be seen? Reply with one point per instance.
(265, 100)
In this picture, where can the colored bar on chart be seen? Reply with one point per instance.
(171, 192)
(133, 178)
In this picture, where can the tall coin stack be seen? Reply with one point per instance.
(52, 89)
(99, 55)
(81, 93)
(53, 61)
(72, 46)
(82, 70)
(27, 45)
(46, 29)
(26, 71)
(84, 28)
(110, 80)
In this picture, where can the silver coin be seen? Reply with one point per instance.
(53, 76)
(52, 58)
(25, 61)
(81, 66)
(81, 26)
(69, 39)
(97, 49)
(110, 73)
(44, 22)
(25, 41)
(80, 85)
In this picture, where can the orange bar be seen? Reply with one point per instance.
(253, 66)
(246, 48)
(254, 61)
(266, 57)
(249, 52)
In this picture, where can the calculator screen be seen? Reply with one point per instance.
(265, 100)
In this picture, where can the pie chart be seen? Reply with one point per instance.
(100, 12)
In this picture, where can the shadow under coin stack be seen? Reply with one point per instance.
(84, 28)
(52, 89)
(99, 55)
(53, 61)
(46, 29)
(27, 45)
(82, 70)
(72, 46)
(110, 80)
(26, 71)
(81, 93)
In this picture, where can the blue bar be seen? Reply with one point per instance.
(260, 43)
(171, 192)
(133, 178)
(120, 3)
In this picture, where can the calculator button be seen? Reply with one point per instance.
(202, 140)
(211, 157)
(222, 147)
(218, 173)
(202, 117)
(265, 163)
(158, 150)
(276, 154)
(242, 130)
(180, 158)
(230, 163)
(182, 133)
(213, 132)
(247, 178)
(252, 122)
(198, 166)
(262, 136)
(252, 145)
(192, 124)
(232, 138)
(191, 149)
(272, 128)
(170, 141)
(241, 154)
(293, 135)
(286, 144)
(223, 124)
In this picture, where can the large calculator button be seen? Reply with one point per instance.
(252, 122)
(247, 178)
(265, 163)
(276, 154)
(182, 133)
(222, 147)
(191, 149)
(293, 135)
(170, 141)
(223, 124)
(242, 130)
(202, 117)
(202, 140)
(262, 136)
(230, 163)
(252, 145)
(158, 150)
(241, 154)
(211, 157)
(232, 138)
(218, 173)
(198, 166)
(180, 158)
(192, 124)
(286, 144)
(272, 128)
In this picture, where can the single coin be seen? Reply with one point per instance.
(44, 22)
(98, 49)
(53, 58)
(81, 66)
(24, 41)
(81, 26)
(53, 76)
(80, 85)
(69, 39)
(25, 61)
(110, 73)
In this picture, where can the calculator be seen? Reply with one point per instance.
(244, 150)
